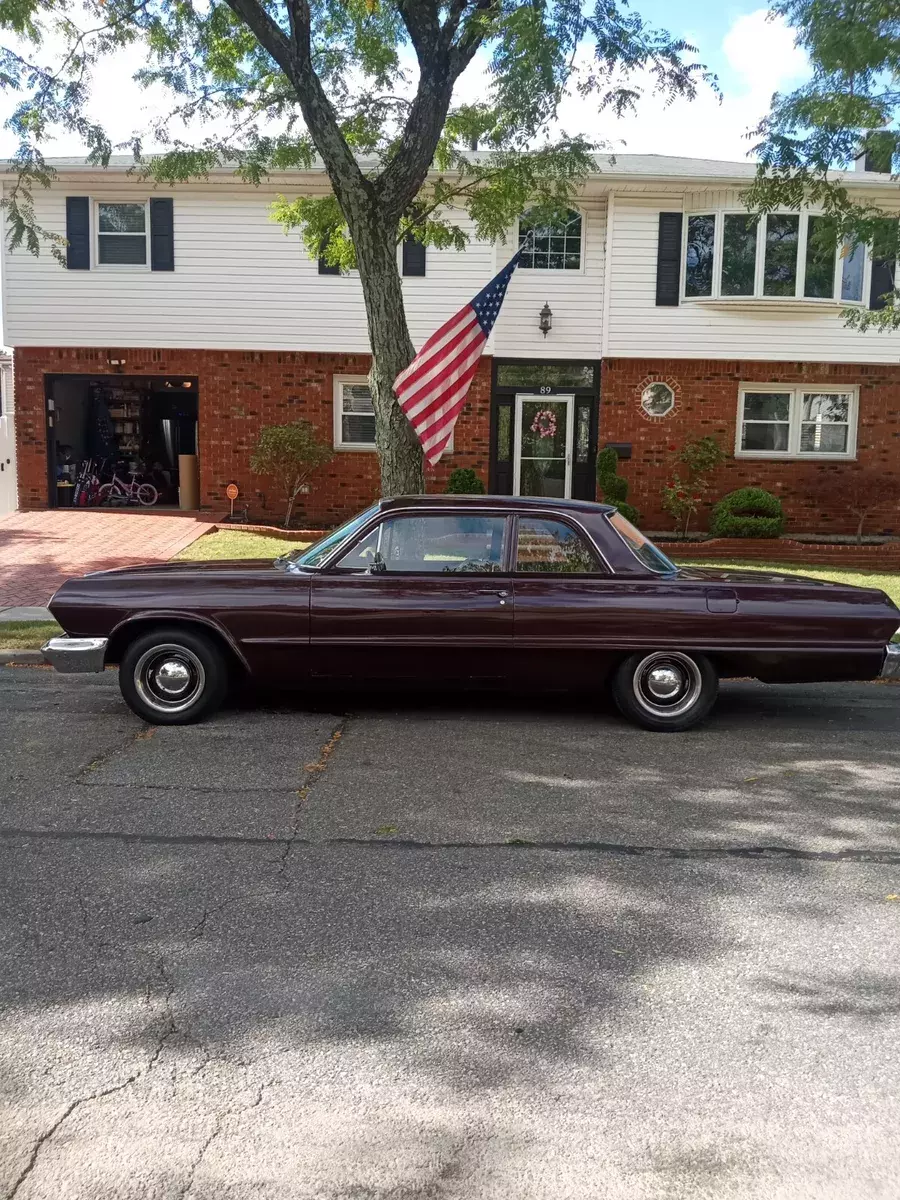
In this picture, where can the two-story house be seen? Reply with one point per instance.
(185, 320)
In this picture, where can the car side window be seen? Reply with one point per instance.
(553, 548)
(432, 544)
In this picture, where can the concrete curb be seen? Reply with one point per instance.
(21, 658)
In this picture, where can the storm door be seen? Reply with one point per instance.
(544, 432)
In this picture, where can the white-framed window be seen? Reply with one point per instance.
(558, 246)
(354, 413)
(796, 421)
(782, 255)
(121, 233)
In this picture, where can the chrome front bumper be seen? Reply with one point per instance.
(891, 668)
(76, 654)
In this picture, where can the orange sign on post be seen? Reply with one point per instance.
(232, 492)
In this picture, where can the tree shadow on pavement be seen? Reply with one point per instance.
(370, 1020)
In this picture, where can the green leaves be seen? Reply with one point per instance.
(851, 103)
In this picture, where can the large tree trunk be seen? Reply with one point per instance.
(399, 451)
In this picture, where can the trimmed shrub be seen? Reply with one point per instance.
(750, 512)
(613, 486)
(289, 454)
(464, 482)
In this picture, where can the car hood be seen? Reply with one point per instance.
(185, 567)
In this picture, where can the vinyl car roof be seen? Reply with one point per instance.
(521, 503)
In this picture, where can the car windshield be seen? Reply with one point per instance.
(321, 550)
(642, 547)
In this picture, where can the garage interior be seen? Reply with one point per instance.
(98, 425)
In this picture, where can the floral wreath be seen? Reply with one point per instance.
(544, 423)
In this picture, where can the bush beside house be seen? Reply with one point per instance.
(289, 454)
(749, 512)
(613, 488)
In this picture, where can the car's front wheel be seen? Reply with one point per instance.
(173, 676)
(665, 690)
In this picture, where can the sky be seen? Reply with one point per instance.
(752, 56)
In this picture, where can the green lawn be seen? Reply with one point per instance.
(26, 635)
(228, 543)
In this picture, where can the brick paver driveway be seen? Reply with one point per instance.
(38, 550)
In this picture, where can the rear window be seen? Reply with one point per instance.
(642, 548)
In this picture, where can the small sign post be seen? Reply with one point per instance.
(232, 492)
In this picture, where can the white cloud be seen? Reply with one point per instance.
(762, 59)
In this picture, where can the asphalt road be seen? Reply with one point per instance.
(503, 950)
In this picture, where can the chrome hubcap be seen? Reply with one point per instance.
(172, 678)
(667, 684)
(169, 678)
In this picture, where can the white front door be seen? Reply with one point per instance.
(543, 446)
(9, 499)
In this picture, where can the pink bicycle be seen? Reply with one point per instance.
(117, 491)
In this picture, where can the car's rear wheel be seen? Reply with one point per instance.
(173, 676)
(665, 690)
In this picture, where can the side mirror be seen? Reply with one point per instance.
(377, 566)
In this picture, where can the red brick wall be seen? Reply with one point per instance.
(239, 392)
(707, 404)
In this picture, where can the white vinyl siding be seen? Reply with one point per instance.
(238, 283)
(575, 298)
(773, 329)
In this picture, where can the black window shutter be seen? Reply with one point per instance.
(162, 235)
(883, 272)
(668, 259)
(78, 233)
(413, 256)
(326, 268)
(884, 263)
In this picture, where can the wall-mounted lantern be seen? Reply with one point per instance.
(545, 322)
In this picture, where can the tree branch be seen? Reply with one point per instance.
(441, 62)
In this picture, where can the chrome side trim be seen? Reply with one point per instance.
(891, 667)
(72, 655)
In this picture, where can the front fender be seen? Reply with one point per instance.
(129, 627)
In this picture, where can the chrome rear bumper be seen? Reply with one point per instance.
(74, 654)
(891, 668)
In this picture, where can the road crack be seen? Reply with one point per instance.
(143, 735)
(168, 1030)
(314, 771)
(218, 1126)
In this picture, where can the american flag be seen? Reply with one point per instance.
(433, 388)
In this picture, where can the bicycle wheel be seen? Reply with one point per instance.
(111, 493)
(147, 494)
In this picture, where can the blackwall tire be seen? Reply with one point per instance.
(667, 691)
(173, 676)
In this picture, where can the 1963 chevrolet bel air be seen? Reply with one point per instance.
(466, 591)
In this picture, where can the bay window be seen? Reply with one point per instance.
(796, 421)
(732, 255)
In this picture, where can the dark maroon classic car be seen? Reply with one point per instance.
(465, 591)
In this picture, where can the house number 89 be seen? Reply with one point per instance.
(545, 391)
